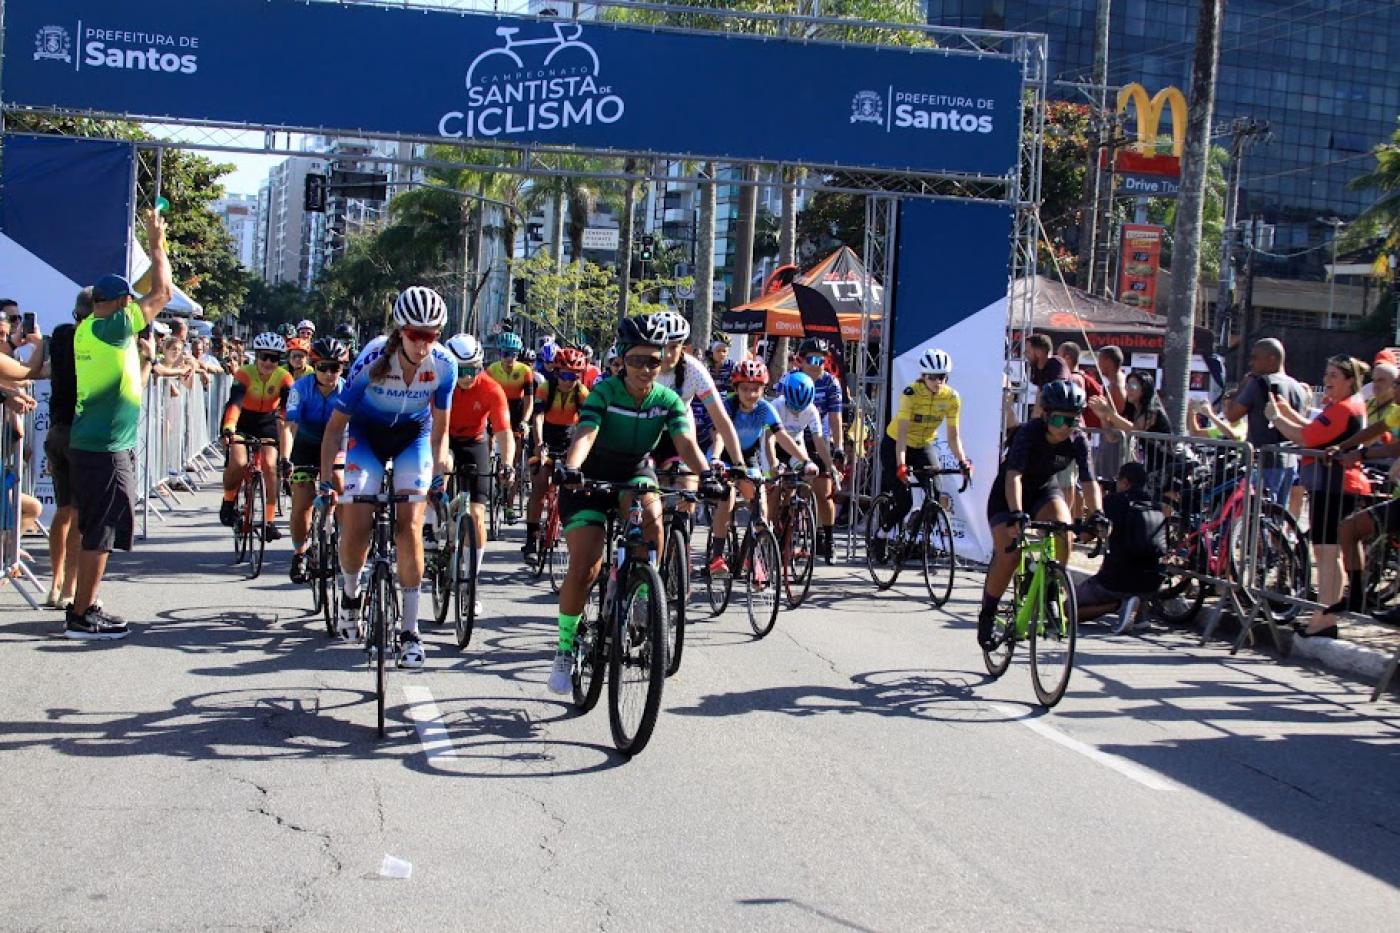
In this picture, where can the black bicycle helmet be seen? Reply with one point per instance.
(814, 345)
(329, 348)
(344, 331)
(642, 330)
(1062, 395)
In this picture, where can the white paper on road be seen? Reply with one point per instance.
(393, 867)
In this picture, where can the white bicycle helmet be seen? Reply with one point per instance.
(935, 363)
(673, 324)
(419, 306)
(269, 341)
(307, 325)
(642, 330)
(466, 348)
(611, 355)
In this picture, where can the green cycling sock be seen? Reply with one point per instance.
(568, 626)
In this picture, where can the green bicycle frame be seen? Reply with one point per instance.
(1031, 604)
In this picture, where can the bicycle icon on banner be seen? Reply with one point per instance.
(566, 36)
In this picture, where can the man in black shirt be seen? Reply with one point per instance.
(1026, 489)
(1044, 366)
(1132, 567)
(63, 400)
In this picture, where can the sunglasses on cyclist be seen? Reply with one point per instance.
(270, 357)
(815, 359)
(643, 362)
(418, 335)
(331, 367)
(1061, 420)
(934, 377)
(467, 370)
(568, 376)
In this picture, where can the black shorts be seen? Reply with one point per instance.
(557, 438)
(1032, 501)
(516, 407)
(60, 469)
(106, 498)
(915, 457)
(1325, 514)
(809, 444)
(257, 424)
(472, 464)
(578, 507)
(665, 450)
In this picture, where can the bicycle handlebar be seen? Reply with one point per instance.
(1098, 530)
(930, 472)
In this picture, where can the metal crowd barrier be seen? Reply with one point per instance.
(14, 468)
(176, 440)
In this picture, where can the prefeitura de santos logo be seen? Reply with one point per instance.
(525, 85)
(867, 107)
(53, 43)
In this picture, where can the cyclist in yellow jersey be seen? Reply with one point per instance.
(923, 407)
(517, 379)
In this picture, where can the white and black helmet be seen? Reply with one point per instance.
(675, 326)
(419, 306)
(642, 330)
(935, 363)
(466, 348)
(269, 341)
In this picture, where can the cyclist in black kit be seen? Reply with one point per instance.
(1026, 488)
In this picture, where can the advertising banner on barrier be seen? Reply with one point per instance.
(439, 74)
(950, 293)
(38, 465)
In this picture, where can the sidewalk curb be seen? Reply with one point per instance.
(1336, 655)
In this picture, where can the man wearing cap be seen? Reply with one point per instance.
(102, 443)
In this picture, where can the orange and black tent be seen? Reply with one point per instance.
(839, 279)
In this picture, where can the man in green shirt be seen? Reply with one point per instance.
(102, 444)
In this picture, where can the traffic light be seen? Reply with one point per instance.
(315, 199)
(648, 251)
(520, 291)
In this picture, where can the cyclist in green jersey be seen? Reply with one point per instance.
(618, 427)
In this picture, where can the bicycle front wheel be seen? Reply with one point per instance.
(464, 577)
(313, 576)
(255, 502)
(1004, 632)
(381, 629)
(637, 666)
(718, 590)
(883, 549)
(438, 566)
(763, 581)
(557, 556)
(799, 550)
(675, 574)
(939, 565)
(1052, 637)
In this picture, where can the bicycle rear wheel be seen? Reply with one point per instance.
(556, 556)
(719, 590)
(464, 577)
(329, 572)
(637, 666)
(763, 581)
(883, 556)
(1004, 631)
(381, 627)
(590, 650)
(1052, 637)
(255, 502)
(493, 505)
(675, 574)
(438, 567)
(313, 577)
(937, 548)
(799, 549)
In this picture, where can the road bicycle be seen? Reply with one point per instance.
(795, 524)
(675, 570)
(624, 628)
(926, 533)
(323, 562)
(1042, 612)
(382, 610)
(549, 554)
(250, 525)
(1206, 538)
(755, 561)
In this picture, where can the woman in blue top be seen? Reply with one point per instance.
(309, 406)
(759, 428)
(394, 406)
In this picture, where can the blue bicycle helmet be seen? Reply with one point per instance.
(546, 354)
(798, 391)
(508, 342)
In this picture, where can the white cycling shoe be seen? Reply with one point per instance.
(410, 651)
(561, 675)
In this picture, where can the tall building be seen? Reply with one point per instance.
(288, 230)
(1325, 74)
(239, 215)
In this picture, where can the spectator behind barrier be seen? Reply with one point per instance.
(1267, 378)
(1132, 568)
(1044, 367)
(1333, 485)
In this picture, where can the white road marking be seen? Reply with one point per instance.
(1036, 724)
(423, 710)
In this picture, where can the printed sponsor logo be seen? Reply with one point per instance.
(53, 43)
(867, 107)
(121, 49)
(536, 84)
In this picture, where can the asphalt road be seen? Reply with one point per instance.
(854, 770)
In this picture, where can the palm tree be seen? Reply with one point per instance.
(1381, 219)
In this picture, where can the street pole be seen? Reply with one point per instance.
(1093, 176)
(1244, 131)
(1186, 260)
(625, 236)
(701, 320)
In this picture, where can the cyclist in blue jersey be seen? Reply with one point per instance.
(393, 408)
(813, 353)
(309, 407)
(757, 423)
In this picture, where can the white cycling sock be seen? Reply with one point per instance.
(350, 584)
(480, 556)
(410, 609)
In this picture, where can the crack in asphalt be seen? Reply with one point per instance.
(813, 652)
